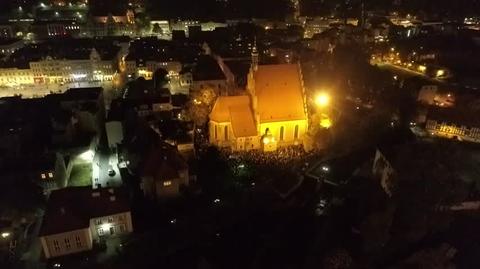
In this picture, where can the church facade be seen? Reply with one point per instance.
(271, 114)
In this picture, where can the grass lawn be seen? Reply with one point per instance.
(81, 175)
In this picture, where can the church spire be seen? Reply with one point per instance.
(254, 55)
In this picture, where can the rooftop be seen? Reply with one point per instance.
(82, 94)
(275, 86)
(71, 209)
(207, 69)
(455, 116)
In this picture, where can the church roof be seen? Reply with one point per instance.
(221, 109)
(279, 92)
(237, 111)
(243, 124)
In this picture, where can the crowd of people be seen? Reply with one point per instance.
(291, 157)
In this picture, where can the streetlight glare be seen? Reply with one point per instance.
(322, 100)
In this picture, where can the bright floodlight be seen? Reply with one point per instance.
(5, 235)
(87, 156)
(326, 123)
(322, 99)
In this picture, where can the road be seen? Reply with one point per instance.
(33, 254)
(103, 161)
(405, 72)
(36, 91)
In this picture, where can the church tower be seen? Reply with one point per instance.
(254, 55)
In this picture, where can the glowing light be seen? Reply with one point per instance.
(322, 99)
(326, 123)
(5, 235)
(266, 140)
(440, 73)
(87, 156)
(422, 68)
(106, 226)
(77, 76)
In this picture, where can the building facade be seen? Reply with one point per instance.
(454, 124)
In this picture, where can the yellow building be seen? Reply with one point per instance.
(271, 114)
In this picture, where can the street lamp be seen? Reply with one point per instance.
(322, 99)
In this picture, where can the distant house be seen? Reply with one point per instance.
(87, 106)
(432, 95)
(77, 217)
(47, 171)
(207, 75)
(163, 172)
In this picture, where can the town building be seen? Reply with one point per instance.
(453, 123)
(260, 119)
(164, 172)
(208, 75)
(434, 95)
(53, 29)
(76, 218)
(85, 65)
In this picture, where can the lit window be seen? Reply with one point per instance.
(167, 183)
(67, 243)
(43, 176)
(78, 241)
(50, 175)
(56, 245)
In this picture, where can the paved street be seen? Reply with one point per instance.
(104, 161)
(36, 91)
(32, 256)
(402, 71)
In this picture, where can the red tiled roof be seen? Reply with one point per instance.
(280, 93)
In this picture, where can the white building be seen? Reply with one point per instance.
(78, 217)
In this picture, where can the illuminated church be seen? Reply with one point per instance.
(271, 114)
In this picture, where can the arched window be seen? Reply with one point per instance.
(296, 132)
(226, 132)
(282, 130)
